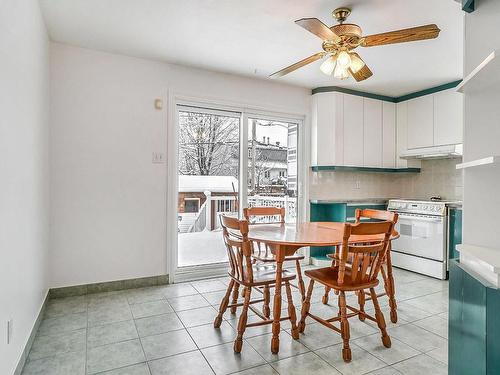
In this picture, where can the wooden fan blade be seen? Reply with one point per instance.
(318, 28)
(361, 74)
(402, 36)
(298, 65)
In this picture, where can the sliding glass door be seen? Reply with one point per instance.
(208, 173)
(226, 161)
(272, 165)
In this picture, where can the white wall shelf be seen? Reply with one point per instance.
(488, 161)
(485, 75)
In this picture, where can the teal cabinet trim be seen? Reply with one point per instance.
(392, 99)
(474, 326)
(326, 168)
(429, 91)
(468, 6)
(344, 90)
(455, 232)
(335, 212)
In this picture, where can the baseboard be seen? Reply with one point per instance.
(108, 286)
(29, 343)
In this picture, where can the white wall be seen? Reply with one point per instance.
(24, 171)
(482, 131)
(108, 210)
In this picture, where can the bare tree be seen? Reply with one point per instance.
(206, 144)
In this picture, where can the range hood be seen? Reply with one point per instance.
(436, 152)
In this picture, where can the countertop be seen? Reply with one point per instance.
(350, 200)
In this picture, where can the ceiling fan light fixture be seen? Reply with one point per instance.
(328, 65)
(340, 72)
(344, 60)
(356, 62)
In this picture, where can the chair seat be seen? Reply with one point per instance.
(329, 275)
(266, 275)
(271, 258)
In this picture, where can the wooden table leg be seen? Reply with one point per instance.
(390, 288)
(275, 341)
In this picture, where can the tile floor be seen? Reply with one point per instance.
(168, 330)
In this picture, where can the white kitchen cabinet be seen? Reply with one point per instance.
(372, 133)
(448, 118)
(401, 132)
(420, 122)
(353, 131)
(327, 140)
(388, 135)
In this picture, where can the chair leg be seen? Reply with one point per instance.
(361, 302)
(325, 296)
(300, 280)
(291, 311)
(344, 326)
(390, 287)
(234, 300)
(267, 298)
(242, 323)
(386, 340)
(223, 305)
(306, 305)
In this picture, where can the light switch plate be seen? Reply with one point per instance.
(158, 157)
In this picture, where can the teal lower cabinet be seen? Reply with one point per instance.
(455, 231)
(335, 212)
(474, 324)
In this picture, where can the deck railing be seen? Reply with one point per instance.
(227, 204)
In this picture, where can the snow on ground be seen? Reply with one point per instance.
(201, 248)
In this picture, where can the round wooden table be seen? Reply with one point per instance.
(286, 239)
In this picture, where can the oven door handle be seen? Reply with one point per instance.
(421, 218)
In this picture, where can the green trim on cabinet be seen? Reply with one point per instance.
(455, 232)
(429, 91)
(392, 99)
(468, 6)
(331, 168)
(344, 90)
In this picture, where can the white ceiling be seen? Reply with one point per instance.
(258, 37)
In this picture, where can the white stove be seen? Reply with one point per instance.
(423, 243)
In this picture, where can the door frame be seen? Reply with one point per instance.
(179, 274)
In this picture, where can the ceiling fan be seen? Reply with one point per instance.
(340, 40)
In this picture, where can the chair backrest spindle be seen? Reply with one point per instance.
(238, 247)
(360, 262)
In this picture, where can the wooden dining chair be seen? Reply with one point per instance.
(243, 272)
(261, 251)
(360, 274)
(385, 269)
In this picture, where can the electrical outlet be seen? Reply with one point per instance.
(10, 326)
(158, 157)
(357, 184)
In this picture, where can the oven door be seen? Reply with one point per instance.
(422, 236)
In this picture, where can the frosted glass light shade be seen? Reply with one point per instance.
(340, 72)
(344, 60)
(328, 65)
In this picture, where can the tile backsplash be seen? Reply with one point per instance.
(437, 177)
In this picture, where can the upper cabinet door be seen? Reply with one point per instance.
(448, 118)
(421, 122)
(353, 130)
(372, 133)
(388, 135)
(327, 129)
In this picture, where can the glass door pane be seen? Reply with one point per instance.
(272, 165)
(208, 172)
